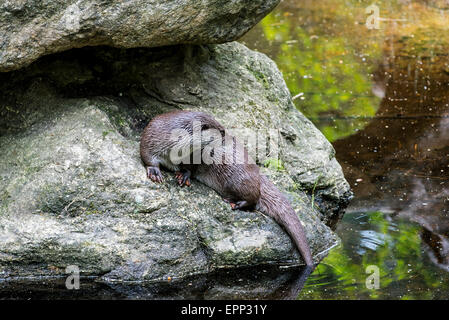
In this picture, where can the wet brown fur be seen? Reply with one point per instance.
(242, 185)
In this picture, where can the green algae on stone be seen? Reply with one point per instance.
(32, 29)
(73, 189)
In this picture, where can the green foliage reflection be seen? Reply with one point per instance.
(328, 73)
(395, 247)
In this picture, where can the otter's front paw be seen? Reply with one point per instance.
(183, 178)
(154, 173)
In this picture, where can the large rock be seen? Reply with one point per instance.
(30, 29)
(73, 190)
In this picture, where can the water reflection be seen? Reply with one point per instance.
(399, 163)
(382, 98)
(327, 72)
(251, 283)
(406, 272)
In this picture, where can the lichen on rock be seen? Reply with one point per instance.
(34, 28)
(73, 190)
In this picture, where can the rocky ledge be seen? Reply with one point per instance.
(30, 29)
(77, 89)
(73, 190)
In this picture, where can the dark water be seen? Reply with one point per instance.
(272, 283)
(381, 96)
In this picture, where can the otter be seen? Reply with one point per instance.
(238, 182)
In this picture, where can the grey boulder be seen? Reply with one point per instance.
(73, 190)
(30, 29)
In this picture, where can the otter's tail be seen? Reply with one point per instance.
(273, 203)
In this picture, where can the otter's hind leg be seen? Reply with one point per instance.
(238, 205)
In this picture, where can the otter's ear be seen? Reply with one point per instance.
(206, 127)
